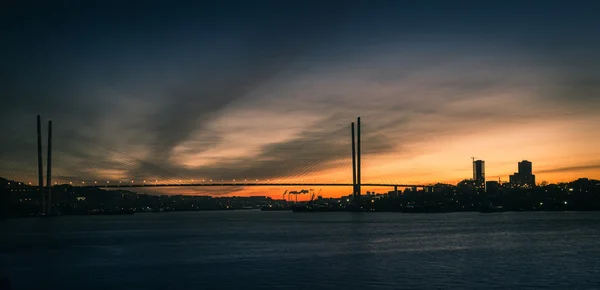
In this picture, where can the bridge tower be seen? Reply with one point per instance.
(46, 203)
(358, 167)
(40, 165)
(49, 168)
(353, 162)
(356, 162)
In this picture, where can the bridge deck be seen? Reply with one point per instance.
(245, 184)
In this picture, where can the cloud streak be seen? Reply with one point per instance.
(582, 168)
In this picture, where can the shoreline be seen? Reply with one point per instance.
(290, 211)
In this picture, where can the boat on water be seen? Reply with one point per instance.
(311, 208)
(275, 208)
(106, 212)
(425, 209)
(325, 208)
(492, 209)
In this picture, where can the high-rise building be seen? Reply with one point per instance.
(525, 168)
(479, 173)
(525, 177)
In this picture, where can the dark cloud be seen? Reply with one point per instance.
(318, 148)
(289, 37)
(132, 78)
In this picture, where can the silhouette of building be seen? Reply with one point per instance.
(492, 187)
(467, 185)
(479, 173)
(525, 177)
(525, 167)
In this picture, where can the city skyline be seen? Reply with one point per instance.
(523, 178)
(259, 89)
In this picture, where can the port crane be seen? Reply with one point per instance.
(312, 196)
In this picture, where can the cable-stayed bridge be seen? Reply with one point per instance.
(174, 181)
(302, 174)
(149, 184)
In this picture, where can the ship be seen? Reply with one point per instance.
(490, 208)
(313, 208)
(424, 209)
(275, 208)
(106, 212)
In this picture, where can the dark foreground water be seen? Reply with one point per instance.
(281, 250)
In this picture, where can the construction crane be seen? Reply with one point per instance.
(284, 194)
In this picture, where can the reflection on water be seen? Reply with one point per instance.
(253, 249)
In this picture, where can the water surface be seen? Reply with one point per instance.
(282, 250)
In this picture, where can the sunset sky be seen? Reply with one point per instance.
(161, 90)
